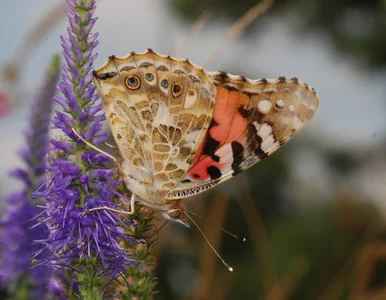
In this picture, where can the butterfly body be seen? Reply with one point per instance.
(181, 130)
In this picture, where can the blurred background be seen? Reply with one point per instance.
(314, 212)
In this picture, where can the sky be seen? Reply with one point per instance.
(352, 99)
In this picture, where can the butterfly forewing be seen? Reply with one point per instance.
(159, 110)
(251, 120)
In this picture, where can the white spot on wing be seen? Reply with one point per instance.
(268, 140)
(226, 154)
(190, 100)
(162, 115)
(264, 106)
(280, 103)
(267, 143)
(264, 131)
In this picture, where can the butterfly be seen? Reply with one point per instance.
(181, 130)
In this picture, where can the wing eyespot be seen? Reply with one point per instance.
(149, 76)
(176, 89)
(165, 83)
(132, 82)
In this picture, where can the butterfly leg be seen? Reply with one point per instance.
(124, 212)
(111, 146)
(92, 146)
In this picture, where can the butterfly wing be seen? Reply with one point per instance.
(251, 120)
(159, 110)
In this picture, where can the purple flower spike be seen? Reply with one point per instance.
(85, 242)
(17, 235)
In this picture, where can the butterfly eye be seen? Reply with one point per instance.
(149, 76)
(176, 89)
(133, 82)
(165, 83)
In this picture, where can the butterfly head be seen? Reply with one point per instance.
(176, 212)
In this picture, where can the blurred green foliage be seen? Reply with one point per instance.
(325, 242)
(317, 237)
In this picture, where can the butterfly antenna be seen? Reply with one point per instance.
(92, 146)
(238, 27)
(242, 239)
(230, 269)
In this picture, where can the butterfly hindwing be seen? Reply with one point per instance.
(251, 120)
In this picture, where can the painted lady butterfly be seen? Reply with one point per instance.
(182, 130)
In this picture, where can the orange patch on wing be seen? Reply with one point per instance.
(229, 126)
(239, 123)
(227, 103)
